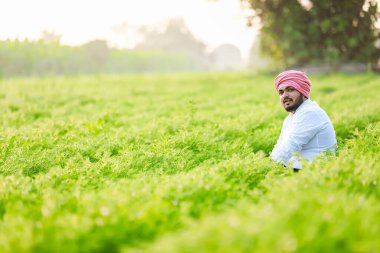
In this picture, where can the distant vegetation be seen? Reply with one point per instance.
(170, 50)
(25, 58)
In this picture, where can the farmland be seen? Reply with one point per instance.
(179, 163)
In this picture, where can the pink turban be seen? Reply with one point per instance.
(296, 79)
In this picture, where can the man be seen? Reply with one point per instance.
(307, 131)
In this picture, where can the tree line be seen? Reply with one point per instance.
(27, 58)
(174, 49)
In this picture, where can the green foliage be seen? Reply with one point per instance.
(319, 31)
(179, 163)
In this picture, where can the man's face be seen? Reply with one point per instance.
(290, 98)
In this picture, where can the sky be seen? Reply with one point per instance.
(214, 22)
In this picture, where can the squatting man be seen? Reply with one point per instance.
(307, 131)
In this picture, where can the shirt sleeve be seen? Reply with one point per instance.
(305, 127)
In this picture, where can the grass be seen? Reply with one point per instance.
(179, 163)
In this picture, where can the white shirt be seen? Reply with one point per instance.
(307, 133)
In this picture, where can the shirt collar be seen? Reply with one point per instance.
(305, 103)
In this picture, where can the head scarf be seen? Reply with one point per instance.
(296, 79)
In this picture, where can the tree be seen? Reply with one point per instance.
(50, 37)
(97, 52)
(176, 38)
(226, 57)
(318, 31)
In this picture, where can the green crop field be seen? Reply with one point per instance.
(179, 163)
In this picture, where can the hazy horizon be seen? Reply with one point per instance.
(212, 22)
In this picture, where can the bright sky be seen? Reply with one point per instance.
(78, 21)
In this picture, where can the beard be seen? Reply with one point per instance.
(297, 102)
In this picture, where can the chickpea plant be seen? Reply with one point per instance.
(179, 163)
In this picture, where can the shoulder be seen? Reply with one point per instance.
(312, 113)
(311, 109)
